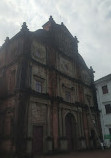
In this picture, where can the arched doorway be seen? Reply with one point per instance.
(70, 125)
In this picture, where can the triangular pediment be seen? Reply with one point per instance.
(64, 40)
(61, 37)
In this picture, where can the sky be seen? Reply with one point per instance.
(89, 20)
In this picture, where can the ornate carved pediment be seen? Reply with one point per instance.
(65, 41)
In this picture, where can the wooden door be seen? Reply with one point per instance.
(37, 140)
(70, 132)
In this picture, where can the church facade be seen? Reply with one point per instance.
(46, 90)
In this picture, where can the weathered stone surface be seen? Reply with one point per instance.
(46, 89)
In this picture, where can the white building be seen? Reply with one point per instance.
(103, 86)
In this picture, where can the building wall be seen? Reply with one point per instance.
(49, 87)
(7, 123)
(104, 99)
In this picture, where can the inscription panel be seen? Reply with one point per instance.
(38, 113)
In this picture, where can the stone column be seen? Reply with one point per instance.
(55, 126)
(86, 127)
(62, 137)
(29, 130)
(60, 123)
(48, 121)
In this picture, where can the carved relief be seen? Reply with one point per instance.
(65, 66)
(38, 113)
(38, 52)
(68, 90)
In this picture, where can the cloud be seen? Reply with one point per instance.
(90, 21)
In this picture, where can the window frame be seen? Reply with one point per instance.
(105, 89)
(108, 108)
(68, 96)
(38, 87)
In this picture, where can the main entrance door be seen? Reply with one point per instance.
(70, 131)
(37, 147)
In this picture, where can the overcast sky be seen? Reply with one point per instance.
(89, 20)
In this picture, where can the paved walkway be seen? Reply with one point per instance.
(85, 154)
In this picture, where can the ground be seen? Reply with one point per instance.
(85, 154)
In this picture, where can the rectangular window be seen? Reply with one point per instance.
(37, 54)
(68, 96)
(105, 89)
(110, 134)
(110, 131)
(39, 86)
(108, 108)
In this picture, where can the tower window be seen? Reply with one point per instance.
(68, 96)
(105, 89)
(39, 86)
